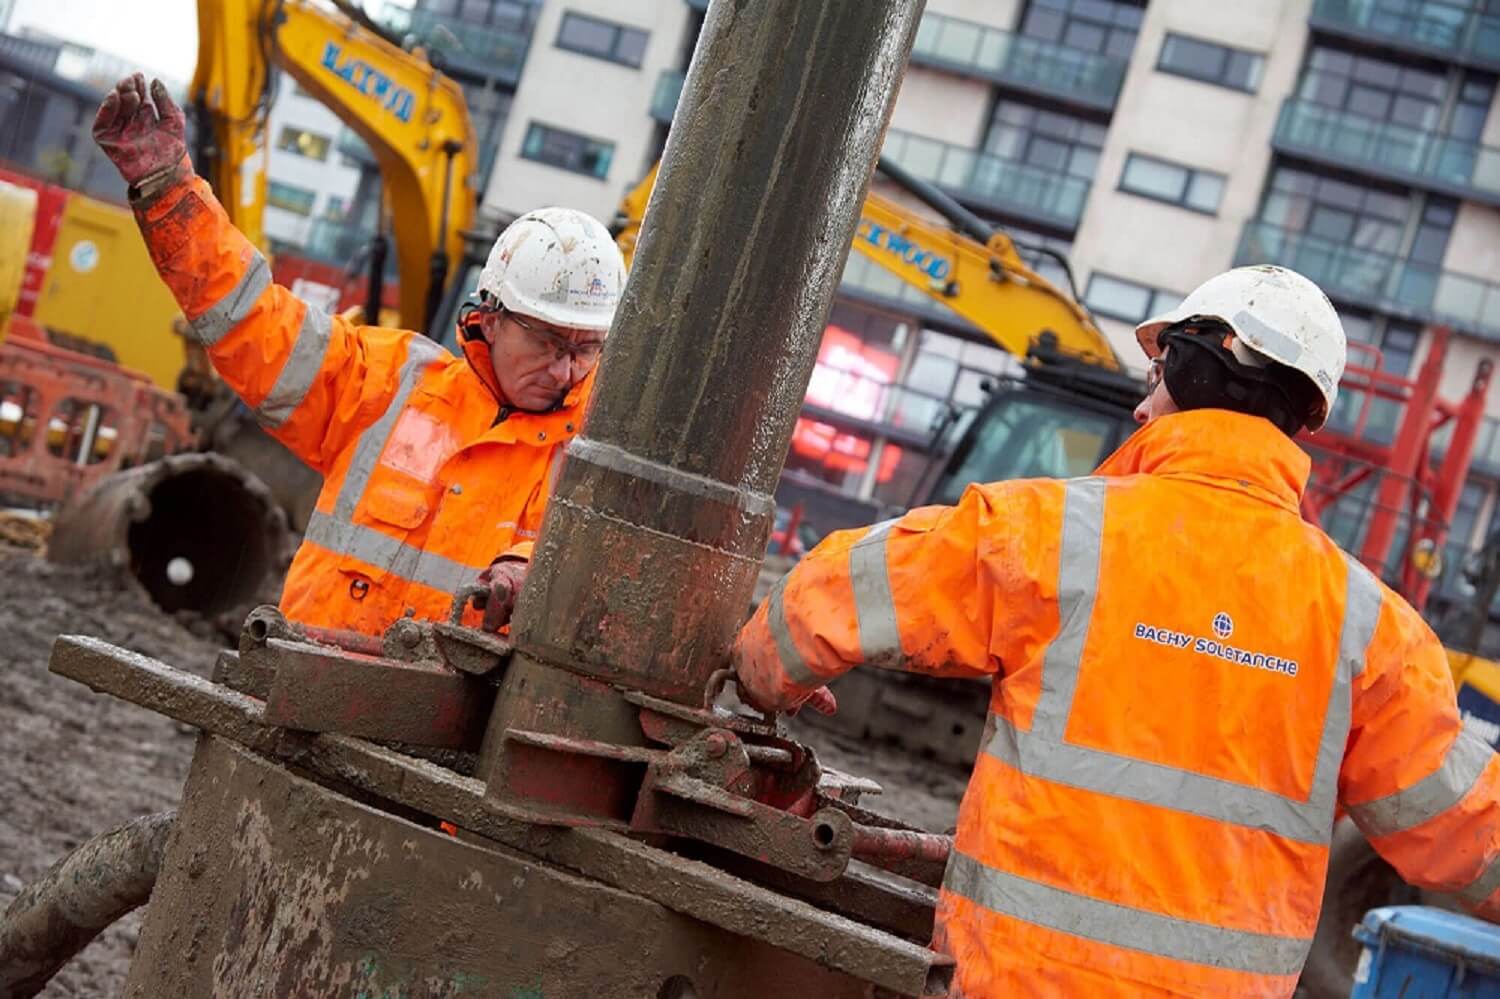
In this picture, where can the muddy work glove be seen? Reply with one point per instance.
(143, 138)
(504, 579)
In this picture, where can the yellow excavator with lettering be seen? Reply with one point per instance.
(971, 267)
(412, 117)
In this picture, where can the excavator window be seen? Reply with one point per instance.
(1023, 435)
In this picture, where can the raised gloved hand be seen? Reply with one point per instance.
(504, 578)
(146, 144)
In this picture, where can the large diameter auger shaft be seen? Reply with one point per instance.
(660, 517)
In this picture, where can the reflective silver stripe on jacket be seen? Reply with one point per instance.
(339, 533)
(792, 663)
(231, 310)
(369, 545)
(1121, 926)
(1450, 783)
(879, 639)
(1043, 752)
(874, 607)
(300, 369)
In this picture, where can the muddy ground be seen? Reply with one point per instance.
(73, 763)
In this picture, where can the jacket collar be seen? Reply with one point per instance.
(1242, 451)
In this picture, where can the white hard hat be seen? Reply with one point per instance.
(557, 265)
(1274, 311)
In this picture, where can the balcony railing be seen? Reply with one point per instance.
(485, 51)
(1424, 159)
(1377, 280)
(1451, 29)
(1000, 185)
(668, 92)
(1031, 64)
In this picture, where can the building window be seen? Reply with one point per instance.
(1383, 90)
(1127, 301)
(1352, 215)
(1211, 63)
(1373, 88)
(1050, 140)
(298, 200)
(602, 39)
(1149, 177)
(1102, 26)
(303, 143)
(567, 150)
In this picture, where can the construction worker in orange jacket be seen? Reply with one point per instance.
(1188, 681)
(433, 464)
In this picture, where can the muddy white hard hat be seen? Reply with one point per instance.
(1275, 312)
(557, 265)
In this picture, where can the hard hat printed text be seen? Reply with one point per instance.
(1212, 647)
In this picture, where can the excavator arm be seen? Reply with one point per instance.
(970, 266)
(413, 118)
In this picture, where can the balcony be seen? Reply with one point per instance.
(1446, 30)
(1380, 281)
(1407, 155)
(668, 93)
(480, 51)
(1009, 187)
(1059, 73)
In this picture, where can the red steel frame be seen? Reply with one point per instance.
(1409, 485)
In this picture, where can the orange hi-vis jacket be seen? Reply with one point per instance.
(1189, 680)
(427, 478)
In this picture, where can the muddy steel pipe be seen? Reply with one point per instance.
(196, 531)
(662, 510)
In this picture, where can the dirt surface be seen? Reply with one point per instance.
(914, 790)
(74, 763)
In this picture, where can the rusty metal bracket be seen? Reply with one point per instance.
(326, 690)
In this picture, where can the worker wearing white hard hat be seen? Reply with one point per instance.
(1189, 682)
(1259, 340)
(546, 297)
(436, 468)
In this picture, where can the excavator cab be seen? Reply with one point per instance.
(1059, 420)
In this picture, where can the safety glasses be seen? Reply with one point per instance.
(579, 353)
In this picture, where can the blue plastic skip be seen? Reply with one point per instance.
(1418, 952)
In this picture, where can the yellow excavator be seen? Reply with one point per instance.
(968, 265)
(412, 117)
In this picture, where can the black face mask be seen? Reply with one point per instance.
(1201, 372)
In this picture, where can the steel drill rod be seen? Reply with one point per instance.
(660, 516)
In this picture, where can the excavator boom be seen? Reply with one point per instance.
(984, 280)
(413, 118)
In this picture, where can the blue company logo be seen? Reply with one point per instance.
(892, 242)
(1223, 625)
(369, 81)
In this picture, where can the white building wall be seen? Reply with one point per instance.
(588, 96)
(942, 106)
(1193, 124)
(334, 177)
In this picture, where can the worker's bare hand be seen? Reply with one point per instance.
(143, 138)
(504, 580)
